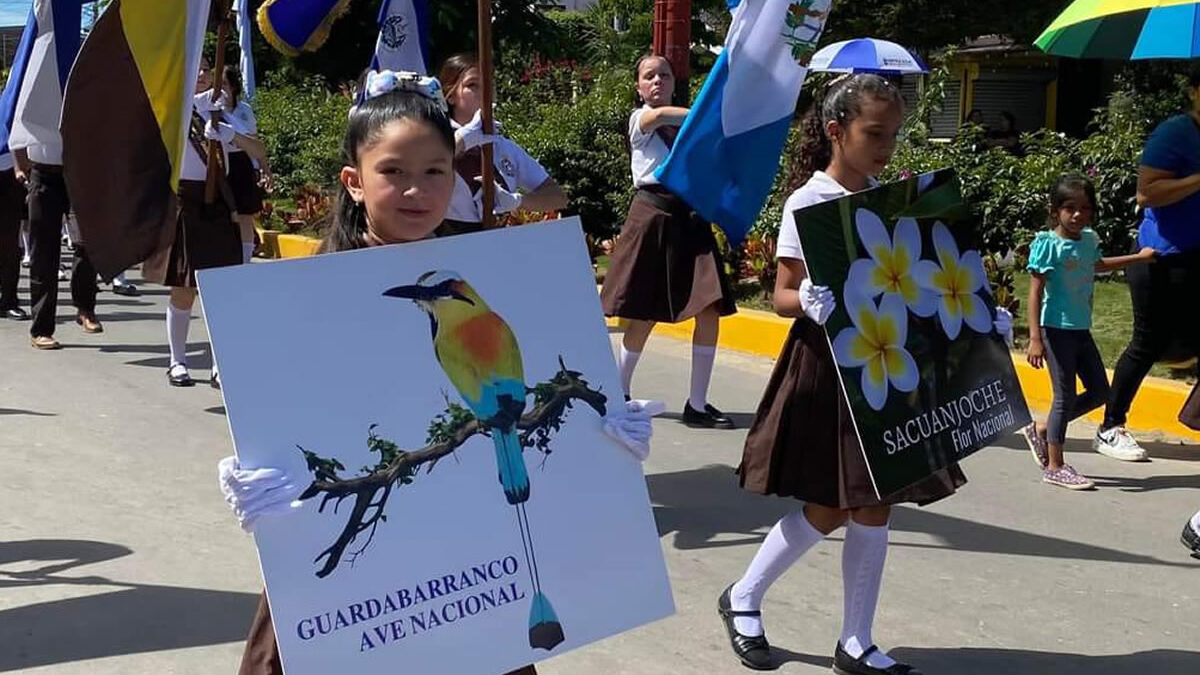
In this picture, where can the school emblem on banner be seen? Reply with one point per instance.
(393, 32)
(928, 379)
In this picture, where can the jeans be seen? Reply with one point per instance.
(1070, 353)
(1161, 292)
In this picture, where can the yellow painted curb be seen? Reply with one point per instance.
(296, 246)
(1155, 409)
(270, 242)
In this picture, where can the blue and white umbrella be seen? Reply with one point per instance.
(866, 55)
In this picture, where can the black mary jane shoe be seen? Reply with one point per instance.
(844, 664)
(754, 652)
(183, 379)
(1191, 540)
(709, 418)
(215, 381)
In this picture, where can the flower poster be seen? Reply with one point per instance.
(441, 404)
(927, 378)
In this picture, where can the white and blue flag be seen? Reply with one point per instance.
(12, 90)
(245, 21)
(403, 42)
(725, 158)
(57, 27)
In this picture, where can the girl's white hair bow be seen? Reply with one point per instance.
(380, 82)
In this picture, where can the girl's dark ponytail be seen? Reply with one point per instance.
(348, 231)
(815, 151)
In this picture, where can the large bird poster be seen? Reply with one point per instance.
(443, 402)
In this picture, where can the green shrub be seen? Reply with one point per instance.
(574, 124)
(302, 124)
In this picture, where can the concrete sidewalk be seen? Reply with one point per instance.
(119, 556)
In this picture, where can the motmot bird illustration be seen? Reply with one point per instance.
(482, 359)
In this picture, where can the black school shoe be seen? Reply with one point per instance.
(843, 664)
(1191, 540)
(754, 652)
(711, 418)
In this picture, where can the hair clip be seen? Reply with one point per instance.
(387, 81)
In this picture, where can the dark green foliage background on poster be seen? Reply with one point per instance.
(902, 259)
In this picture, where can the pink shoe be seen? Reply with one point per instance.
(1037, 445)
(1068, 478)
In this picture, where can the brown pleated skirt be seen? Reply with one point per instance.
(803, 444)
(665, 266)
(205, 236)
(261, 656)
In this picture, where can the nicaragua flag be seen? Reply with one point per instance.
(725, 158)
(294, 26)
(12, 90)
(403, 42)
(58, 26)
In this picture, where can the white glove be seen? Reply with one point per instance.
(471, 134)
(631, 427)
(256, 493)
(505, 201)
(1004, 325)
(816, 301)
(206, 104)
(218, 132)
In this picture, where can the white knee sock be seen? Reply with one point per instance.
(863, 556)
(247, 251)
(177, 330)
(627, 363)
(702, 367)
(791, 538)
(1196, 522)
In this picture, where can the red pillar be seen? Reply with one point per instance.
(673, 37)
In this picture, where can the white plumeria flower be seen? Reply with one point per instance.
(889, 269)
(875, 343)
(956, 280)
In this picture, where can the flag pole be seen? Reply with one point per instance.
(487, 95)
(215, 154)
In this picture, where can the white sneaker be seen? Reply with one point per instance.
(1118, 444)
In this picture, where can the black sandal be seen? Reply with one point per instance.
(754, 652)
(844, 664)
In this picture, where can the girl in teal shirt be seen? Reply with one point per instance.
(1063, 262)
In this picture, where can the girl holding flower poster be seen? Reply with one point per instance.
(803, 443)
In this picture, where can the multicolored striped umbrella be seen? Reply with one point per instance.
(1125, 29)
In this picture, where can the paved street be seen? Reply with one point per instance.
(117, 554)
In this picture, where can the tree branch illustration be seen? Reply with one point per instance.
(396, 468)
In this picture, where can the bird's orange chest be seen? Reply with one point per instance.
(481, 336)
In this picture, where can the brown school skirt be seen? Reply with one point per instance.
(205, 236)
(243, 182)
(665, 267)
(261, 656)
(802, 443)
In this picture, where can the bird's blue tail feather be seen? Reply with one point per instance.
(511, 462)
